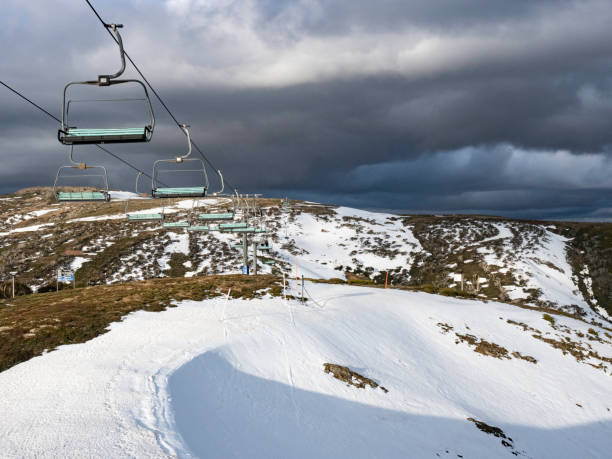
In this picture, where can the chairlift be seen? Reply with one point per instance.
(285, 205)
(75, 196)
(201, 228)
(142, 216)
(247, 229)
(72, 135)
(231, 226)
(180, 192)
(180, 224)
(217, 216)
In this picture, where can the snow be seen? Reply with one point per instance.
(26, 229)
(503, 233)
(239, 378)
(179, 244)
(38, 213)
(97, 218)
(77, 263)
(325, 244)
(124, 195)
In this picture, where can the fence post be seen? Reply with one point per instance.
(386, 279)
(302, 288)
(13, 286)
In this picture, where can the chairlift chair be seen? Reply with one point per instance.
(73, 135)
(180, 224)
(216, 216)
(80, 196)
(247, 229)
(180, 192)
(200, 228)
(142, 216)
(232, 226)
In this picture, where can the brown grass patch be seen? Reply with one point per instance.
(528, 358)
(350, 377)
(483, 346)
(35, 323)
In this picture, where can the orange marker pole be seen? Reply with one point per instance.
(386, 279)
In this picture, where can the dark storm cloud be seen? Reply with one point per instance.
(339, 16)
(400, 105)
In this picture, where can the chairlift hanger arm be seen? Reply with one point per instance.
(222, 183)
(105, 80)
(185, 128)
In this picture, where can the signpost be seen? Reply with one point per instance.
(13, 274)
(64, 276)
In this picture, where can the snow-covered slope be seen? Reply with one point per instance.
(238, 378)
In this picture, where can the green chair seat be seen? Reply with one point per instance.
(65, 196)
(237, 246)
(181, 192)
(219, 216)
(176, 224)
(248, 229)
(264, 247)
(144, 217)
(198, 228)
(229, 226)
(268, 262)
(93, 136)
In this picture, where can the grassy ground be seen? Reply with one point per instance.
(35, 323)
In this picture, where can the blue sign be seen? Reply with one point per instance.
(65, 277)
(245, 269)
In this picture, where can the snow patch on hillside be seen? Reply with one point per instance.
(245, 379)
(325, 245)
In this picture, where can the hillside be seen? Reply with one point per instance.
(564, 266)
(353, 372)
(493, 340)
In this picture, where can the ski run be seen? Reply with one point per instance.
(245, 378)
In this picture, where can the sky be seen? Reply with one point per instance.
(415, 106)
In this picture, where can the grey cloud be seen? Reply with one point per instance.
(368, 139)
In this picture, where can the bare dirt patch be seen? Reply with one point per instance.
(483, 346)
(496, 432)
(350, 377)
